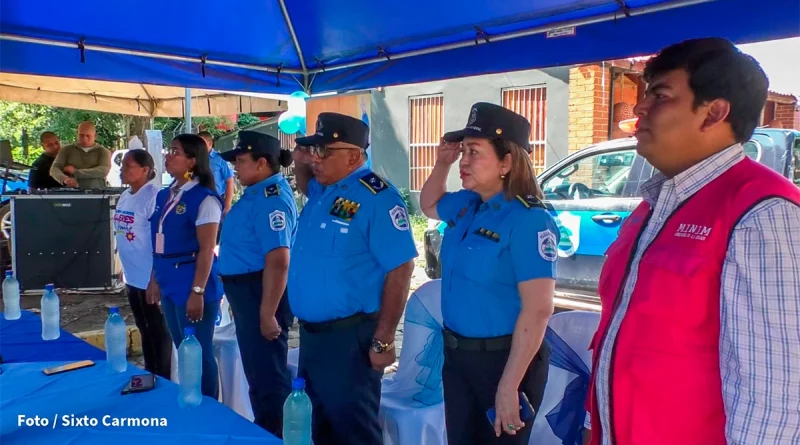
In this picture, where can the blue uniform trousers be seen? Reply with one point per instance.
(175, 316)
(344, 389)
(470, 379)
(264, 361)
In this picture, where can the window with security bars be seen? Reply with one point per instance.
(426, 123)
(287, 143)
(531, 102)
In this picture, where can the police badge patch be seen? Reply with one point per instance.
(547, 245)
(180, 209)
(399, 218)
(277, 221)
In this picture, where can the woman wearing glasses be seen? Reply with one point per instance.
(498, 267)
(184, 231)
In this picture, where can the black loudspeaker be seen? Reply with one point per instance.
(64, 239)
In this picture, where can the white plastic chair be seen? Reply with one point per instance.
(412, 407)
(569, 334)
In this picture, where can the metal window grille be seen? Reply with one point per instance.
(426, 124)
(531, 102)
(287, 143)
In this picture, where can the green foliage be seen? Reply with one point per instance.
(110, 127)
(19, 156)
(16, 117)
(407, 199)
(246, 120)
(419, 223)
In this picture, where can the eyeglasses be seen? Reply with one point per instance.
(324, 151)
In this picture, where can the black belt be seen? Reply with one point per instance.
(455, 341)
(243, 277)
(339, 323)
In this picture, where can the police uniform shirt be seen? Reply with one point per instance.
(262, 220)
(489, 248)
(350, 235)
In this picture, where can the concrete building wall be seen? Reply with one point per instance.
(390, 115)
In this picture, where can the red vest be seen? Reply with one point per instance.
(666, 387)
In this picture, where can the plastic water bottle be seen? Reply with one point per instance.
(11, 297)
(297, 415)
(51, 314)
(190, 370)
(116, 342)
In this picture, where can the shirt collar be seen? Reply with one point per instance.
(688, 182)
(495, 203)
(352, 177)
(188, 186)
(261, 185)
(213, 153)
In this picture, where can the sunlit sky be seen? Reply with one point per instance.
(780, 59)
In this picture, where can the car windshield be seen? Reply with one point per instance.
(603, 175)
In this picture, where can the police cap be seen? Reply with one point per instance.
(492, 121)
(255, 143)
(335, 127)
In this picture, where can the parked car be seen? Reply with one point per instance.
(592, 191)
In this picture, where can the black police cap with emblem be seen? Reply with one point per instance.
(255, 143)
(492, 121)
(335, 127)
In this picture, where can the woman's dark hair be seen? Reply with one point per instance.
(143, 159)
(521, 179)
(276, 162)
(195, 147)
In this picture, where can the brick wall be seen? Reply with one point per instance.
(588, 106)
(788, 115)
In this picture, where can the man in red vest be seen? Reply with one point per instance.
(699, 338)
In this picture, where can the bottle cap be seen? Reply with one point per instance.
(49, 287)
(113, 310)
(189, 330)
(298, 384)
(9, 273)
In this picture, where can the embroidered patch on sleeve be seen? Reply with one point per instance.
(547, 245)
(277, 220)
(399, 217)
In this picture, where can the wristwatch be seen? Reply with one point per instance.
(198, 290)
(381, 347)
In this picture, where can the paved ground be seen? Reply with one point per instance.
(88, 312)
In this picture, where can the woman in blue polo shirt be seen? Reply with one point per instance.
(498, 267)
(254, 249)
(184, 232)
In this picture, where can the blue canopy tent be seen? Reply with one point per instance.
(279, 46)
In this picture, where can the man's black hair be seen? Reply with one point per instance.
(718, 70)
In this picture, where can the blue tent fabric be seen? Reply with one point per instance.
(253, 40)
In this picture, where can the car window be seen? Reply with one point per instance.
(596, 176)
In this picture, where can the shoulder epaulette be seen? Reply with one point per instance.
(272, 190)
(374, 183)
(530, 201)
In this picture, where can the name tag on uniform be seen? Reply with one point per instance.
(159, 243)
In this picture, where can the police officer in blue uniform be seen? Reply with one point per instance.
(254, 249)
(184, 231)
(498, 277)
(348, 279)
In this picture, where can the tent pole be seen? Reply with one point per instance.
(516, 34)
(297, 48)
(188, 111)
(149, 54)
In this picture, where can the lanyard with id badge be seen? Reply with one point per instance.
(171, 204)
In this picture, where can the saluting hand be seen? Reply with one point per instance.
(448, 152)
(270, 328)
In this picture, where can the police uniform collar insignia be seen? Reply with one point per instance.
(344, 208)
(530, 201)
(373, 182)
(272, 190)
(488, 234)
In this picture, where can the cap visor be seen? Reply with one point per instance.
(458, 136)
(312, 140)
(230, 155)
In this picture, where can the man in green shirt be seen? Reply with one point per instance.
(84, 164)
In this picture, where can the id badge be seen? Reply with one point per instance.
(159, 243)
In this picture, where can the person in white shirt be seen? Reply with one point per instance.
(132, 230)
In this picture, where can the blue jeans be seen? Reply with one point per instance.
(175, 315)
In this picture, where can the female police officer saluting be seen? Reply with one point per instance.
(254, 262)
(184, 232)
(498, 276)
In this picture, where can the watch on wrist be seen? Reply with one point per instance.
(198, 290)
(381, 347)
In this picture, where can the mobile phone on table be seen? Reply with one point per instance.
(68, 367)
(526, 410)
(140, 383)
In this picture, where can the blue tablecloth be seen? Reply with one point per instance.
(95, 393)
(21, 341)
